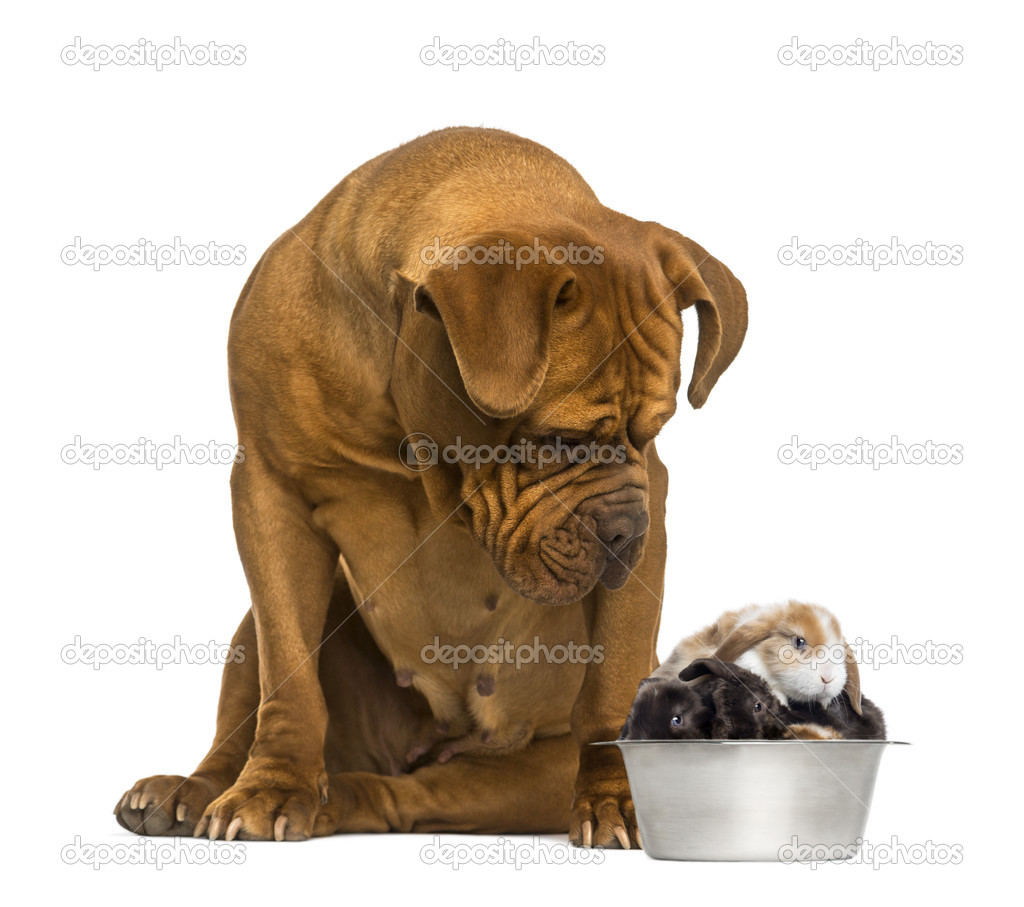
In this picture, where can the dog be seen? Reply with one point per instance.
(465, 291)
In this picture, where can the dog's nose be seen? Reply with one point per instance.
(619, 527)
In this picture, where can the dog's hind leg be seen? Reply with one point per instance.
(528, 792)
(172, 804)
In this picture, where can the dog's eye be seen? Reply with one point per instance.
(677, 720)
(799, 642)
(758, 706)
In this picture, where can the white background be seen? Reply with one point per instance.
(691, 121)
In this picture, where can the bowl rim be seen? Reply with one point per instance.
(843, 742)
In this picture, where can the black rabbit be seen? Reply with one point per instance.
(718, 700)
(724, 702)
(840, 717)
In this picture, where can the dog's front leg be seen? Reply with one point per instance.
(624, 624)
(290, 566)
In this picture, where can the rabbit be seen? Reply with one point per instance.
(797, 648)
(724, 702)
(839, 716)
(665, 708)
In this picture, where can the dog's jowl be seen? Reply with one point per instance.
(447, 379)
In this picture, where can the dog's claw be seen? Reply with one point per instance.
(236, 824)
(216, 826)
(623, 837)
(280, 827)
(204, 823)
(181, 812)
(588, 834)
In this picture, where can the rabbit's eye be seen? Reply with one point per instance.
(677, 720)
(758, 706)
(799, 642)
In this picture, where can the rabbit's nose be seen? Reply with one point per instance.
(826, 676)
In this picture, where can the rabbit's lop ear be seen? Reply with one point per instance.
(704, 666)
(852, 687)
(745, 636)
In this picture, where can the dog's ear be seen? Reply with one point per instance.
(498, 319)
(699, 280)
(852, 687)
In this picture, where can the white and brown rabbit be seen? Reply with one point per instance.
(797, 648)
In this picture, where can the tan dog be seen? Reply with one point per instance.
(350, 337)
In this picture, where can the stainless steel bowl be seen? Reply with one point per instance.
(766, 800)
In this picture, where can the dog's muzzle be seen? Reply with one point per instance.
(602, 540)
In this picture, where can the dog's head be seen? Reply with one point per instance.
(569, 357)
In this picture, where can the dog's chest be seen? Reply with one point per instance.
(484, 657)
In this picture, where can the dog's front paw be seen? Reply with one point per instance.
(602, 807)
(270, 801)
(165, 804)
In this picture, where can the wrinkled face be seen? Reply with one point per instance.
(576, 366)
(572, 509)
(666, 709)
